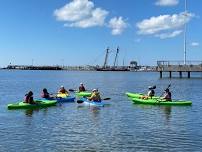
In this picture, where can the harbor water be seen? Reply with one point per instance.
(120, 126)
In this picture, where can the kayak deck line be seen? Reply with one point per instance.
(161, 102)
(38, 104)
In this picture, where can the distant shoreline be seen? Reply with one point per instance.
(82, 68)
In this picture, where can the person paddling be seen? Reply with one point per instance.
(82, 88)
(95, 96)
(29, 98)
(150, 92)
(45, 94)
(62, 90)
(167, 95)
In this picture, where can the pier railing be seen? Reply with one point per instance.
(177, 66)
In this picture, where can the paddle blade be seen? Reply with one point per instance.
(79, 101)
(72, 90)
(106, 99)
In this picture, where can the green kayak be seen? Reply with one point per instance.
(138, 95)
(83, 94)
(160, 102)
(39, 104)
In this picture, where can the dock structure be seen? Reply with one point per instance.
(179, 66)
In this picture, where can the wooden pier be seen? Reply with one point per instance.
(179, 66)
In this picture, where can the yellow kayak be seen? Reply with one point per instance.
(62, 95)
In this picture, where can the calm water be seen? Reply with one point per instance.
(121, 126)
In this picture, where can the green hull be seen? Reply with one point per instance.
(83, 94)
(39, 104)
(137, 95)
(160, 102)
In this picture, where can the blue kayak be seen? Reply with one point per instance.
(66, 99)
(86, 102)
(60, 99)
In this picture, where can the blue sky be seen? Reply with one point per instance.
(77, 32)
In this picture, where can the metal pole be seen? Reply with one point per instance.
(115, 60)
(185, 39)
(106, 57)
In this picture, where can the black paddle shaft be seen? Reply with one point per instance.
(166, 88)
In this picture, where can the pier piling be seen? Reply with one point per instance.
(179, 66)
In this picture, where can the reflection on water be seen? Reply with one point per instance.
(29, 112)
(95, 111)
(167, 111)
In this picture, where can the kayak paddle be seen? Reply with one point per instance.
(72, 90)
(106, 99)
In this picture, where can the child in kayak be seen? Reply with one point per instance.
(150, 93)
(167, 95)
(95, 96)
(81, 88)
(29, 98)
(62, 90)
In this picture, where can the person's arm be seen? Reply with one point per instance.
(25, 99)
(91, 97)
(99, 98)
(66, 92)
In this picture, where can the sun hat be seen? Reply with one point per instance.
(94, 90)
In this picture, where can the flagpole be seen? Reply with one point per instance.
(185, 38)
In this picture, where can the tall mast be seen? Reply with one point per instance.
(106, 57)
(115, 60)
(185, 38)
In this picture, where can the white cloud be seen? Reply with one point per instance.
(118, 25)
(163, 23)
(81, 13)
(194, 44)
(167, 2)
(169, 34)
